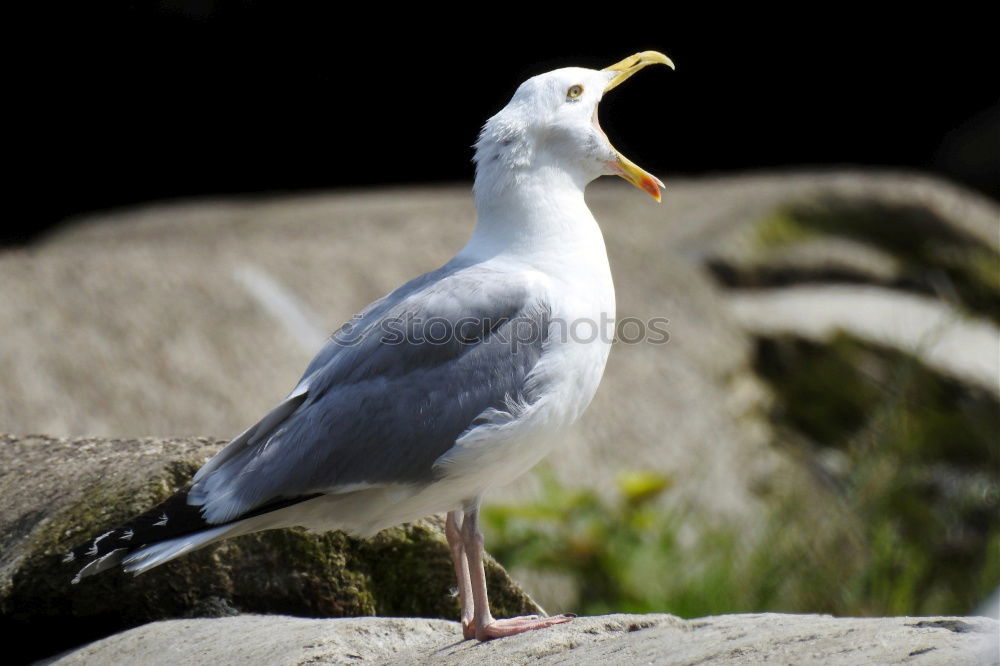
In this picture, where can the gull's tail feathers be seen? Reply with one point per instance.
(166, 531)
(154, 555)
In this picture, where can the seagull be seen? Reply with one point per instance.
(456, 382)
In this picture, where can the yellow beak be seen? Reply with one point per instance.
(633, 64)
(625, 167)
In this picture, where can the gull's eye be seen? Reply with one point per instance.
(574, 91)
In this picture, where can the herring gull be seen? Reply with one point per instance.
(458, 381)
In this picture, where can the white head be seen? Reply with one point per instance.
(551, 124)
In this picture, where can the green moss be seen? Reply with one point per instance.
(292, 572)
(983, 269)
(781, 228)
(408, 567)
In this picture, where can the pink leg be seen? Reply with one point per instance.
(485, 627)
(453, 531)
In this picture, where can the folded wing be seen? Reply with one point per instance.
(389, 393)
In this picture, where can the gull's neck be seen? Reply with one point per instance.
(533, 214)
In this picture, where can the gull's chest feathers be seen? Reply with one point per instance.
(581, 301)
(548, 240)
(572, 284)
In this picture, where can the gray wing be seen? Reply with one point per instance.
(389, 393)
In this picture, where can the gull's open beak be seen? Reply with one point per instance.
(622, 70)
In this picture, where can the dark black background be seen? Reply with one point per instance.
(117, 103)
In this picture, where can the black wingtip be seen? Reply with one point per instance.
(170, 519)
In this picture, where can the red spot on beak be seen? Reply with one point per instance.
(651, 186)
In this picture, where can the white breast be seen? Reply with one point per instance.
(538, 230)
(574, 281)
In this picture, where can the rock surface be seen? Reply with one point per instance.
(615, 639)
(60, 493)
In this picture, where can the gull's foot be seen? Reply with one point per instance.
(468, 629)
(514, 625)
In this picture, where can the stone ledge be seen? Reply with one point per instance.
(248, 640)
